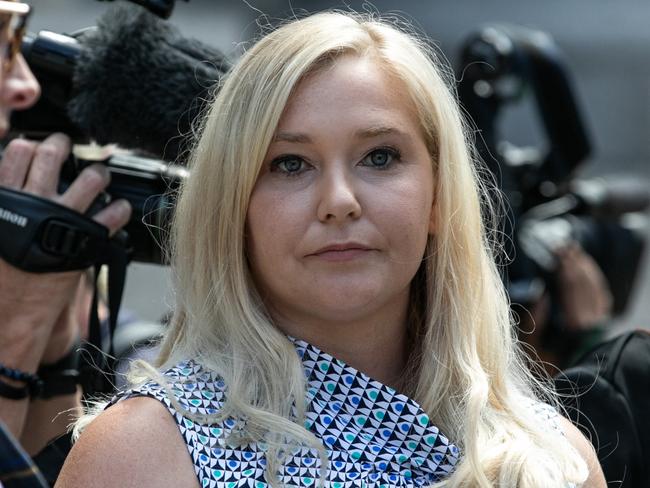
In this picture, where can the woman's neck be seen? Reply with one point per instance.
(375, 344)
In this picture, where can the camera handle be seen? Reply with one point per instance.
(499, 62)
(41, 236)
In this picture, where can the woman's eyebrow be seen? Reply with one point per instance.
(291, 137)
(379, 130)
(366, 133)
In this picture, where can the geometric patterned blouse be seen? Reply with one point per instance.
(374, 436)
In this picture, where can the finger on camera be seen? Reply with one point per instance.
(43, 174)
(85, 188)
(15, 163)
(115, 216)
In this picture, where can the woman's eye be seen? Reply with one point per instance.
(290, 165)
(380, 158)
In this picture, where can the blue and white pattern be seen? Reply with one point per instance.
(374, 436)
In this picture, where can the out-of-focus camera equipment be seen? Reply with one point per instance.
(549, 207)
(132, 80)
(162, 8)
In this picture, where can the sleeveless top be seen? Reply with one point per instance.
(373, 435)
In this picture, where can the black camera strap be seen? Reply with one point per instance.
(41, 236)
(97, 371)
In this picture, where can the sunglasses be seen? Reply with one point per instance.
(13, 21)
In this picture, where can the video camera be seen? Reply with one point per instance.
(132, 80)
(548, 205)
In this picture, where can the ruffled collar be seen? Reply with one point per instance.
(373, 434)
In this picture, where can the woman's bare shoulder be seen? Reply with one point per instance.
(585, 448)
(135, 442)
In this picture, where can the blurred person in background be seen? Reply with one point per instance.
(585, 302)
(43, 315)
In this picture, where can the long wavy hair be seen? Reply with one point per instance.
(468, 372)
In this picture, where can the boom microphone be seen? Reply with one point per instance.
(132, 80)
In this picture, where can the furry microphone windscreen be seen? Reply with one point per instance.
(140, 84)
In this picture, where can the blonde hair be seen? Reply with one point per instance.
(470, 376)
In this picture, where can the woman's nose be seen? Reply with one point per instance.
(339, 200)
(19, 90)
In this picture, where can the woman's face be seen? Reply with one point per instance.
(340, 214)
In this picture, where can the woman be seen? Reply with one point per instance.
(333, 211)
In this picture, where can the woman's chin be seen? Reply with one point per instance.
(353, 305)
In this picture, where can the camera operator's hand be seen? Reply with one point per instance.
(32, 304)
(72, 323)
(584, 292)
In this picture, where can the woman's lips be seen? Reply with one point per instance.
(341, 252)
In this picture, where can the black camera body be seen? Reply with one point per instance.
(548, 206)
(132, 80)
(149, 185)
